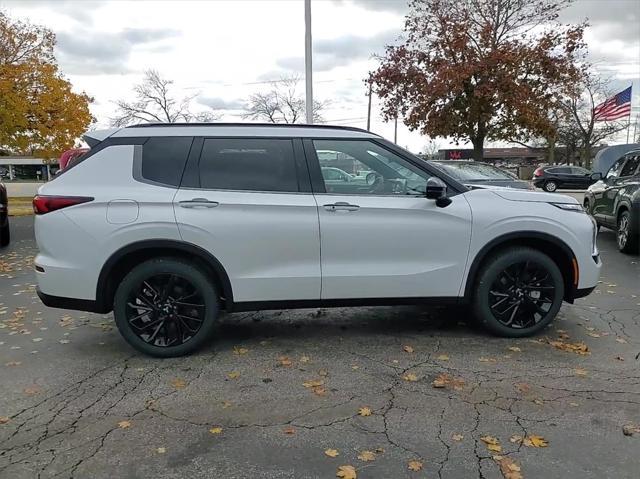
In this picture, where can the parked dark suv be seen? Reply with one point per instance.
(614, 201)
(551, 178)
(4, 216)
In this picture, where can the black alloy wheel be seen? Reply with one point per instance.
(627, 241)
(518, 292)
(166, 307)
(522, 294)
(166, 310)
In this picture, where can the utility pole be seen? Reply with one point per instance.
(395, 129)
(369, 107)
(308, 69)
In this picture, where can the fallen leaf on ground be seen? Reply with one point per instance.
(331, 452)
(539, 402)
(233, 375)
(515, 349)
(323, 372)
(367, 456)
(523, 387)
(215, 430)
(161, 450)
(415, 466)
(577, 348)
(319, 391)
(226, 404)
(31, 391)
(619, 358)
(124, 424)
(239, 350)
(313, 383)
(178, 383)
(580, 372)
(289, 430)
(4, 419)
(621, 340)
(410, 377)
(492, 443)
(535, 441)
(447, 381)
(304, 359)
(487, 360)
(630, 429)
(364, 411)
(574, 404)
(408, 349)
(515, 439)
(508, 468)
(13, 363)
(457, 437)
(346, 472)
(442, 357)
(285, 361)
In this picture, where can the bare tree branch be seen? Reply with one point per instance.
(281, 104)
(155, 102)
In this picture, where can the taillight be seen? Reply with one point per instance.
(47, 204)
(538, 172)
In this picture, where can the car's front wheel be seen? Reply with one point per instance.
(627, 241)
(550, 186)
(518, 292)
(166, 307)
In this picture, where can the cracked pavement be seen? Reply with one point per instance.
(77, 402)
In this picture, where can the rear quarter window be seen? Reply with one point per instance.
(164, 158)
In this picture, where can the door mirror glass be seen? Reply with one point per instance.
(436, 188)
(596, 176)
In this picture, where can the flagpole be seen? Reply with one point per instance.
(629, 121)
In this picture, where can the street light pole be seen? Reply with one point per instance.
(308, 70)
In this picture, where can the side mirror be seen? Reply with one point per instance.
(437, 190)
(596, 176)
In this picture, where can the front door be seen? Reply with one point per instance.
(242, 201)
(604, 198)
(380, 237)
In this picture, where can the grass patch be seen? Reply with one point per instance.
(20, 206)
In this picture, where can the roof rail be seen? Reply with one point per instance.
(273, 125)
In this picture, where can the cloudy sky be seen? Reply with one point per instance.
(226, 50)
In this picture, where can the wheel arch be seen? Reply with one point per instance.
(552, 246)
(124, 259)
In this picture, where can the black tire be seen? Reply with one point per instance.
(627, 241)
(544, 281)
(5, 235)
(145, 298)
(550, 186)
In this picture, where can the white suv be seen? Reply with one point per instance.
(167, 225)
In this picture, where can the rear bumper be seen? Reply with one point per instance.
(581, 293)
(69, 303)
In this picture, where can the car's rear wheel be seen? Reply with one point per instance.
(550, 186)
(627, 241)
(5, 234)
(518, 292)
(166, 307)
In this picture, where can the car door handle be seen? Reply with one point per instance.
(198, 203)
(341, 206)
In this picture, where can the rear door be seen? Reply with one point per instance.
(248, 202)
(581, 177)
(380, 237)
(604, 198)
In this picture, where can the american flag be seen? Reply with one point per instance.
(617, 106)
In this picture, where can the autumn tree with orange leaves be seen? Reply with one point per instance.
(39, 113)
(478, 70)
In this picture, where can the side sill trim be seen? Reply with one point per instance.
(346, 302)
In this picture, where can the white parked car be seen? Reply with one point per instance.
(168, 225)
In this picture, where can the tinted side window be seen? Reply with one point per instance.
(614, 171)
(254, 164)
(630, 166)
(163, 159)
(576, 170)
(562, 171)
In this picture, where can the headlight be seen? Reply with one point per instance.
(569, 207)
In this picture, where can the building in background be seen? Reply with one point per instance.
(26, 168)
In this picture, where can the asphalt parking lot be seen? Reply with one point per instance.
(391, 392)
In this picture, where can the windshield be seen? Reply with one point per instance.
(465, 171)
